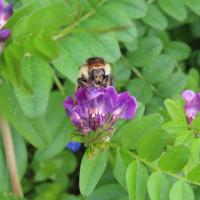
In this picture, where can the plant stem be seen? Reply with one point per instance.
(10, 157)
(68, 29)
(58, 83)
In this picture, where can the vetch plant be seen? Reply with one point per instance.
(94, 111)
(151, 157)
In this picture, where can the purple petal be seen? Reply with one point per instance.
(192, 104)
(104, 100)
(4, 34)
(188, 95)
(68, 104)
(74, 146)
(8, 11)
(111, 91)
(76, 119)
(1, 5)
(126, 107)
(93, 93)
(81, 95)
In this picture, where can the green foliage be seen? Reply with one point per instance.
(136, 177)
(158, 186)
(175, 159)
(90, 172)
(181, 190)
(153, 49)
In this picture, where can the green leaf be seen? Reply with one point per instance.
(12, 56)
(194, 159)
(155, 18)
(194, 174)
(122, 160)
(159, 70)
(174, 129)
(185, 138)
(40, 80)
(176, 110)
(195, 125)
(181, 190)
(140, 90)
(193, 79)
(158, 186)
(53, 168)
(112, 191)
(175, 159)
(91, 171)
(49, 17)
(152, 144)
(121, 72)
(118, 19)
(175, 9)
(137, 176)
(10, 108)
(178, 50)
(174, 85)
(133, 132)
(59, 126)
(135, 8)
(148, 50)
(194, 5)
(47, 46)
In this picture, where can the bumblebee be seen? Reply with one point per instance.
(96, 73)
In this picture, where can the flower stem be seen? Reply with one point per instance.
(10, 157)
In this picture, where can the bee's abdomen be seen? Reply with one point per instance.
(95, 61)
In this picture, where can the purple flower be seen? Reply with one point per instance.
(6, 10)
(95, 108)
(192, 104)
(74, 146)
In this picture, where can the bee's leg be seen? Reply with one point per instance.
(111, 80)
(108, 80)
(82, 82)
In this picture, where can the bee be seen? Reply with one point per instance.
(96, 73)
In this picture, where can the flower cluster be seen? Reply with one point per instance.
(97, 109)
(192, 104)
(6, 10)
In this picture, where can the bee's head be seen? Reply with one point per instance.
(97, 75)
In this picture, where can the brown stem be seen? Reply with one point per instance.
(10, 157)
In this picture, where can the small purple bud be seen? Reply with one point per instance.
(4, 34)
